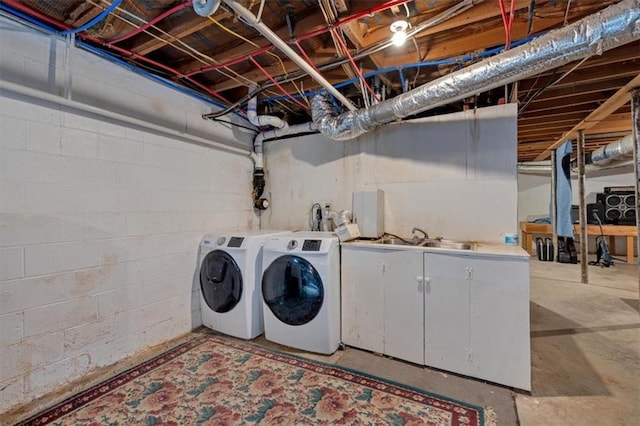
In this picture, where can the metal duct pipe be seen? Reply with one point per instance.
(614, 26)
(606, 154)
(284, 47)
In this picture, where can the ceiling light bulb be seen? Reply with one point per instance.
(399, 30)
(399, 38)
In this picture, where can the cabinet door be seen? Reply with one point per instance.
(403, 305)
(499, 331)
(362, 298)
(446, 311)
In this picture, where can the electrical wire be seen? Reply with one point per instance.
(508, 23)
(551, 83)
(566, 13)
(230, 31)
(294, 100)
(355, 67)
(532, 8)
(186, 50)
(242, 80)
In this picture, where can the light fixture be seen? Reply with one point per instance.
(399, 30)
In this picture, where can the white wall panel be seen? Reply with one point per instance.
(452, 175)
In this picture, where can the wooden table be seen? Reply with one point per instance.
(529, 229)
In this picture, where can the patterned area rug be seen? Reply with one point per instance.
(213, 380)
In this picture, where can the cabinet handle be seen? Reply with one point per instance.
(427, 280)
(419, 278)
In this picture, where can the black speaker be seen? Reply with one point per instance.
(595, 209)
(620, 207)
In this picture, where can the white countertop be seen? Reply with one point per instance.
(479, 248)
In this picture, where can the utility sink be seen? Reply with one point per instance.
(434, 243)
(457, 245)
(398, 242)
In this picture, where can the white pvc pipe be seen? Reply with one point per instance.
(291, 54)
(281, 126)
(48, 97)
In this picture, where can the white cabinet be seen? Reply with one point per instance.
(362, 298)
(476, 316)
(403, 305)
(464, 312)
(382, 301)
(446, 312)
(499, 322)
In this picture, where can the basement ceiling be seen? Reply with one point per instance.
(221, 57)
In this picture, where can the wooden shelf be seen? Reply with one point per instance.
(530, 229)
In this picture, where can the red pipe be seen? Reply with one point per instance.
(277, 84)
(150, 23)
(15, 4)
(355, 67)
(305, 36)
(306, 57)
(230, 62)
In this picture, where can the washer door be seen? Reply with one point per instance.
(293, 290)
(220, 281)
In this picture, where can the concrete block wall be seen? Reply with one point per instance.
(100, 225)
(452, 175)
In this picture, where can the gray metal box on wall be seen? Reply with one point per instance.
(368, 211)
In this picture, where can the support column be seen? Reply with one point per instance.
(635, 127)
(582, 201)
(554, 205)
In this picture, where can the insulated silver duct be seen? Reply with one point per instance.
(613, 151)
(614, 26)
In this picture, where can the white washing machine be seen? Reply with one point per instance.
(230, 273)
(301, 291)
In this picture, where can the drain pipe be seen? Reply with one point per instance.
(251, 20)
(257, 154)
(612, 27)
(280, 128)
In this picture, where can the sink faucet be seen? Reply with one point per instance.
(416, 238)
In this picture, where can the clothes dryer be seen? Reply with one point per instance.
(301, 291)
(230, 269)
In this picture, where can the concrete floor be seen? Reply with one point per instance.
(585, 355)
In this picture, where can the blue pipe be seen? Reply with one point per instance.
(400, 68)
(28, 18)
(117, 60)
(403, 83)
(94, 21)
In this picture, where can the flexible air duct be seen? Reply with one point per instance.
(613, 151)
(614, 26)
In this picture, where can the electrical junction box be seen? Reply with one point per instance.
(368, 212)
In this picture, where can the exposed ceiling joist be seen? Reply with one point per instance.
(620, 98)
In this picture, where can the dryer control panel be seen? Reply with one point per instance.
(311, 245)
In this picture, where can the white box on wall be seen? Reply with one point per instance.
(368, 212)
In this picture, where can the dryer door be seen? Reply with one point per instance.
(220, 281)
(293, 290)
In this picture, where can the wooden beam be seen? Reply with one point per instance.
(559, 111)
(590, 75)
(568, 116)
(179, 31)
(470, 43)
(486, 10)
(620, 98)
(578, 88)
(569, 101)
